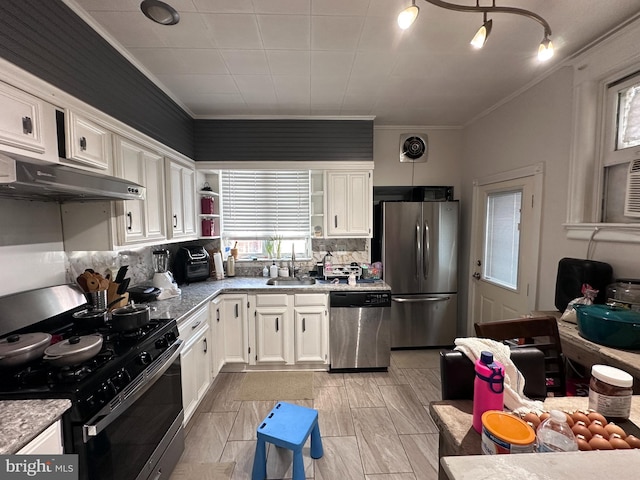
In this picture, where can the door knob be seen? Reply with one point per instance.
(476, 275)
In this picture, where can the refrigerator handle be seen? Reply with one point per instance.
(426, 254)
(418, 251)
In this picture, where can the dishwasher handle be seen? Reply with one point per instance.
(420, 299)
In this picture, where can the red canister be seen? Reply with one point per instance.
(207, 205)
(208, 227)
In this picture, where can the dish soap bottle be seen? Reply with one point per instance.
(327, 266)
(273, 270)
(265, 271)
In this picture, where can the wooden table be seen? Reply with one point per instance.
(458, 438)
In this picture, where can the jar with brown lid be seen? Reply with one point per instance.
(610, 391)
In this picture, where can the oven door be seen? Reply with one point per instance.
(130, 440)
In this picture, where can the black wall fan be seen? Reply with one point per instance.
(414, 147)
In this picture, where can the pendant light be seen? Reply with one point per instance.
(408, 16)
(545, 50)
(480, 38)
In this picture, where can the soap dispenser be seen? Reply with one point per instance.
(273, 270)
(265, 271)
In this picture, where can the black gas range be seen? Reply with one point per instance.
(126, 416)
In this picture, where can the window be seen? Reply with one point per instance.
(502, 238)
(621, 147)
(262, 209)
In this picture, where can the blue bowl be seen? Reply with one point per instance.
(610, 326)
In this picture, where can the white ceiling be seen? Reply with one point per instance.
(347, 57)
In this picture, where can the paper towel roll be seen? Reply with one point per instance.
(217, 261)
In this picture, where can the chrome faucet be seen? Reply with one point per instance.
(293, 260)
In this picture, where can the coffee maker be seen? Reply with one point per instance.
(162, 278)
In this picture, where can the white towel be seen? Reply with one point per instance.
(514, 397)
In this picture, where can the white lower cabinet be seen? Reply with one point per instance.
(235, 328)
(217, 335)
(273, 329)
(48, 442)
(195, 360)
(289, 329)
(311, 328)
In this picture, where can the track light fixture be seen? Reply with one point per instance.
(480, 38)
(408, 16)
(545, 50)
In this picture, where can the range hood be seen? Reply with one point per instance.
(58, 183)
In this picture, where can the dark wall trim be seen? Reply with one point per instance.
(49, 40)
(292, 140)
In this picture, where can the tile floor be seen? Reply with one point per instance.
(374, 426)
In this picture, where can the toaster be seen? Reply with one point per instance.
(191, 264)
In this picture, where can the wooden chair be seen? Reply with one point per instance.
(541, 332)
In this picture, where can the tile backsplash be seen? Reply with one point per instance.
(140, 263)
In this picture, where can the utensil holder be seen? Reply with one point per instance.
(97, 300)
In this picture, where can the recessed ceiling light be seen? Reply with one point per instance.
(160, 12)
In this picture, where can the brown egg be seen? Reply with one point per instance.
(544, 416)
(617, 441)
(583, 443)
(579, 428)
(633, 441)
(598, 442)
(569, 419)
(532, 418)
(579, 416)
(592, 415)
(598, 428)
(612, 428)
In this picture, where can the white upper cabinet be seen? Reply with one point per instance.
(27, 125)
(181, 187)
(140, 220)
(349, 204)
(87, 143)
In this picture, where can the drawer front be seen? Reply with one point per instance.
(310, 299)
(272, 300)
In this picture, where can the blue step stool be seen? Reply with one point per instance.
(287, 426)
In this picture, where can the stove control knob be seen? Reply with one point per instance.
(121, 379)
(105, 392)
(170, 337)
(162, 343)
(145, 358)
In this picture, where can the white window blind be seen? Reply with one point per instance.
(502, 238)
(263, 203)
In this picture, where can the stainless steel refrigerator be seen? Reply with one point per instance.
(420, 263)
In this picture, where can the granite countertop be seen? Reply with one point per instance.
(459, 448)
(195, 295)
(23, 420)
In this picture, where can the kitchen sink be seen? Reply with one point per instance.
(291, 281)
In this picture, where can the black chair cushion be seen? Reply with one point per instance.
(457, 373)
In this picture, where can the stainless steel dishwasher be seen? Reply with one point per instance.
(359, 330)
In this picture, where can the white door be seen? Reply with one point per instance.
(505, 244)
